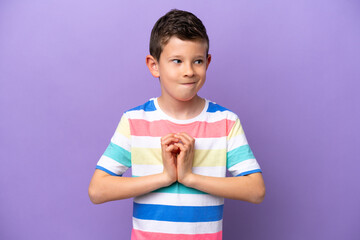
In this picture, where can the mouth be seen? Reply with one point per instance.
(188, 84)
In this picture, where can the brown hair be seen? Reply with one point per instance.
(178, 23)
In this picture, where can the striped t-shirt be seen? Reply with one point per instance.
(178, 212)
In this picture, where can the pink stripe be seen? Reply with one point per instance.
(161, 128)
(141, 235)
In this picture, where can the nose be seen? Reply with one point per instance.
(188, 70)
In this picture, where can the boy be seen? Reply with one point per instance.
(178, 145)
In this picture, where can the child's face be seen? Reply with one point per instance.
(182, 69)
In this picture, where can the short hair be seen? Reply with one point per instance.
(178, 23)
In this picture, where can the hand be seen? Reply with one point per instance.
(169, 153)
(185, 158)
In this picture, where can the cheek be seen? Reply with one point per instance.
(202, 73)
(170, 73)
(201, 70)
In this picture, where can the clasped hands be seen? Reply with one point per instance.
(178, 155)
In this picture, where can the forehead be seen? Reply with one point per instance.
(177, 46)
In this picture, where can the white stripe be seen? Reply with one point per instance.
(144, 170)
(121, 141)
(216, 171)
(244, 166)
(180, 199)
(218, 116)
(155, 116)
(237, 141)
(146, 142)
(177, 227)
(210, 143)
(111, 165)
(200, 143)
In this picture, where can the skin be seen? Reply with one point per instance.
(182, 72)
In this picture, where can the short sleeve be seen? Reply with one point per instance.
(240, 159)
(117, 156)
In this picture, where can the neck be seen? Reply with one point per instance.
(182, 110)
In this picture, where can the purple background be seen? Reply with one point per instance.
(290, 69)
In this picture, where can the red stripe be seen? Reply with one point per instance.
(141, 235)
(160, 128)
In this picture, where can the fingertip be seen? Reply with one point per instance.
(179, 145)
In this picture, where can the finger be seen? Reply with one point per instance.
(183, 151)
(172, 148)
(185, 138)
(169, 140)
(167, 136)
(185, 135)
(180, 146)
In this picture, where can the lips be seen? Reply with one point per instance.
(189, 83)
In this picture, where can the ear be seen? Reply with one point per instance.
(208, 60)
(153, 66)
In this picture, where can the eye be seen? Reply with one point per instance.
(199, 61)
(176, 61)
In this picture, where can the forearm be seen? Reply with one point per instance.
(248, 188)
(104, 187)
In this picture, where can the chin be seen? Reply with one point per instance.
(186, 99)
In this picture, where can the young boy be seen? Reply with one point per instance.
(179, 145)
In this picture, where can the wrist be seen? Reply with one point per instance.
(167, 179)
(188, 180)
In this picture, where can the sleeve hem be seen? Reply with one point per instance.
(249, 172)
(107, 171)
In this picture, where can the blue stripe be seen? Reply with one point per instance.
(149, 106)
(118, 154)
(213, 107)
(238, 154)
(178, 213)
(107, 171)
(248, 172)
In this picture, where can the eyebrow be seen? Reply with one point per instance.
(175, 56)
(179, 56)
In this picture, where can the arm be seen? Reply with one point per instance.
(104, 187)
(248, 188)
